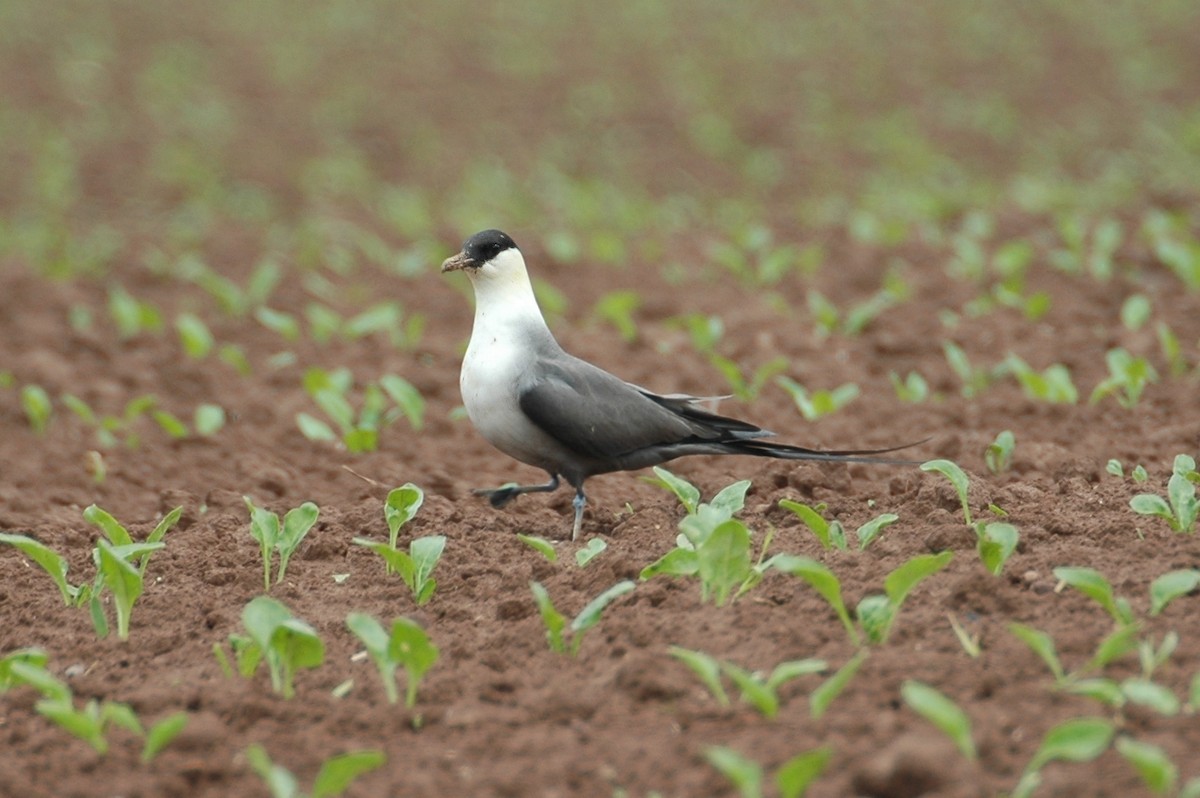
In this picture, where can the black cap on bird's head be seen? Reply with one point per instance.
(479, 249)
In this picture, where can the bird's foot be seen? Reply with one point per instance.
(498, 497)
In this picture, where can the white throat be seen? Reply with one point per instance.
(503, 296)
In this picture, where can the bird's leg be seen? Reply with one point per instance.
(505, 493)
(578, 502)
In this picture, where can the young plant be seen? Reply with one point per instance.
(617, 309)
(1127, 377)
(1181, 508)
(37, 406)
(832, 687)
(415, 566)
(286, 642)
(995, 543)
(828, 533)
(822, 580)
(274, 537)
(762, 692)
(111, 430)
(1092, 584)
(541, 546)
(792, 779)
(974, 380)
(589, 616)
(407, 646)
(334, 778)
(589, 552)
(1075, 740)
(877, 613)
(400, 507)
(958, 479)
(329, 390)
(912, 388)
(942, 713)
(747, 387)
(122, 578)
(998, 454)
(51, 562)
(819, 403)
(1053, 385)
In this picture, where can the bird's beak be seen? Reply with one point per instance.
(457, 262)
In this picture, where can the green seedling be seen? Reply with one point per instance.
(943, 713)
(968, 641)
(822, 580)
(589, 552)
(877, 613)
(716, 549)
(160, 735)
(234, 299)
(705, 331)
(400, 507)
(37, 406)
(195, 337)
(1127, 377)
(617, 309)
(831, 688)
(687, 493)
(1180, 254)
(541, 546)
(414, 566)
(361, 433)
(1053, 385)
(1092, 584)
(1172, 350)
(407, 646)
(1122, 641)
(334, 778)
(974, 380)
(1152, 764)
(792, 779)
(283, 538)
(50, 561)
(912, 388)
(995, 543)
(208, 419)
(1075, 740)
(759, 691)
(283, 324)
(819, 403)
(828, 533)
(286, 642)
(35, 658)
(1181, 508)
(998, 454)
(132, 316)
(1135, 312)
(589, 616)
(122, 578)
(747, 386)
(869, 532)
(111, 430)
(958, 480)
(1170, 586)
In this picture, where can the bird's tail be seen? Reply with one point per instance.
(785, 451)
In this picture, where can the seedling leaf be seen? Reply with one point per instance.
(401, 507)
(586, 554)
(542, 546)
(687, 493)
(724, 560)
(958, 479)
(1092, 584)
(296, 524)
(832, 687)
(824, 582)
(552, 619)
(162, 733)
(339, 772)
(744, 774)
(411, 648)
(1171, 586)
(370, 632)
(279, 780)
(941, 712)
(794, 776)
(1151, 762)
(868, 532)
(706, 668)
(1075, 740)
(1041, 644)
(51, 562)
(996, 543)
(589, 616)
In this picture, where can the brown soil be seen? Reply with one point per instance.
(501, 714)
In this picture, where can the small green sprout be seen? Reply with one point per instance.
(617, 308)
(123, 579)
(1172, 351)
(828, 533)
(958, 479)
(37, 406)
(995, 543)
(912, 388)
(274, 537)
(586, 554)
(974, 380)
(415, 566)
(1092, 584)
(877, 613)
(279, 322)
(541, 546)
(792, 779)
(968, 641)
(869, 532)
(132, 316)
(589, 616)
(832, 687)
(329, 391)
(759, 691)
(33, 657)
(160, 735)
(1114, 467)
(705, 331)
(51, 562)
(1181, 507)
(998, 454)
(334, 778)
(1127, 377)
(1075, 740)
(1052, 385)
(687, 493)
(819, 403)
(400, 507)
(1156, 769)
(194, 335)
(747, 387)
(822, 580)
(942, 712)
(1135, 312)
(407, 646)
(107, 427)
(286, 642)
(1170, 586)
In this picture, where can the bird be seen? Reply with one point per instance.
(544, 407)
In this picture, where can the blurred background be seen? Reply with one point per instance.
(390, 131)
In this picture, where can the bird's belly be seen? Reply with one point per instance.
(488, 383)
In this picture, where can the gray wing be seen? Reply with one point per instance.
(600, 416)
